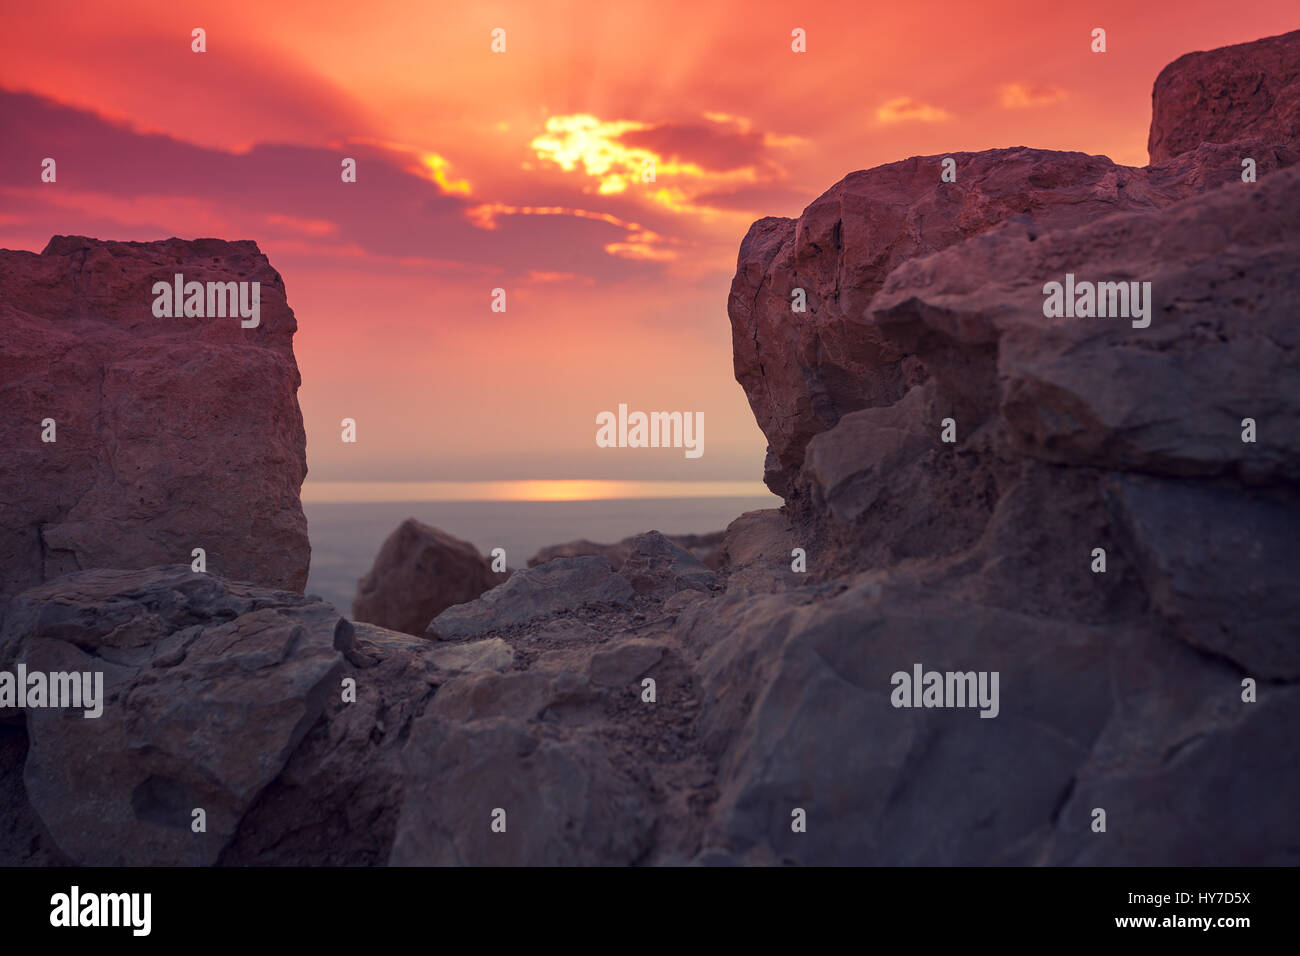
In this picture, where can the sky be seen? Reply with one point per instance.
(526, 170)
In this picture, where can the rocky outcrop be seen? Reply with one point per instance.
(704, 547)
(802, 371)
(420, 572)
(278, 719)
(1087, 717)
(1244, 93)
(167, 434)
(564, 584)
(571, 758)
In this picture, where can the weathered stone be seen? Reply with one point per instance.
(522, 695)
(564, 804)
(337, 800)
(420, 572)
(705, 547)
(1222, 344)
(850, 464)
(1246, 92)
(654, 565)
(758, 551)
(565, 584)
(471, 657)
(209, 687)
(1220, 566)
(625, 662)
(805, 717)
(614, 553)
(803, 371)
(171, 433)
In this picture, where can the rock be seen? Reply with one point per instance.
(804, 717)
(420, 572)
(208, 689)
(625, 662)
(654, 565)
(337, 800)
(561, 802)
(1220, 567)
(704, 547)
(518, 695)
(565, 631)
(1193, 777)
(758, 551)
(1033, 553)
(1247, 92)
(493, 654)
(1168, 399)
(803, 371)
(24, 840)
(851, 464)
(614, 553)
(171, 433)
(564, 584)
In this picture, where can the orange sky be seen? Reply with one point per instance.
(522, 170)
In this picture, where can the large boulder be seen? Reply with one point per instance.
(803, 371)
(207, 690)
(420, 572)
(170, 434)
(805, 717)
(282, 721)
(1248, 92)
(1222, 344)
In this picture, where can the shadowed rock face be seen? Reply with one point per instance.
(172, 433)
(208, 689)
(803, 371)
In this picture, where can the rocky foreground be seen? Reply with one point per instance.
(1104, 532)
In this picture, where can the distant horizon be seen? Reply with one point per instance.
(538, 490)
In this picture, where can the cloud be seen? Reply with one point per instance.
(639, 243)
(1019, 96)
(904, 108)
(405, 207)
(138, 74)
(427, 165)
(670, 165)
(703, 146)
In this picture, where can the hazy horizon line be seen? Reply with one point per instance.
(575, 489)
